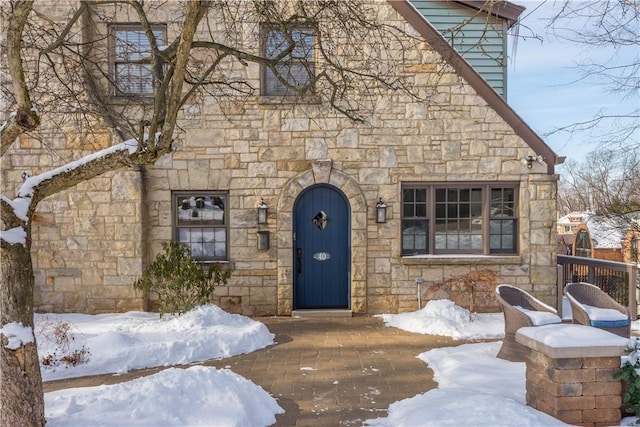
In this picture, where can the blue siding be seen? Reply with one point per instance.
(480, 39)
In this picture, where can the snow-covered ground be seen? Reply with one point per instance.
(474, 387)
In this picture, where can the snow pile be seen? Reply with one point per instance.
(122, 342)
(444, 317)
(198, 396)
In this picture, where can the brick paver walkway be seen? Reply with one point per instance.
(325, 371)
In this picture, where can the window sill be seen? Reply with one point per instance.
(288, 99)
(460, 259)
(131, 99)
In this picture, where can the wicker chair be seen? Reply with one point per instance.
(520, 310)
(592, 306)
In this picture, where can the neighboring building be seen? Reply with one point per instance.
(569, 223)
(463, 211)
(594, 236)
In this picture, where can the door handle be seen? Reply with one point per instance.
(299, 256)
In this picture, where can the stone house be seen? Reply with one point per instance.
(422, 202)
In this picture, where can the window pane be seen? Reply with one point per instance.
(408, 195)
(408, 211)
(414, 237)
(134, 78)
(200, 221)
(184, 236)
(414, 203)
(502, 235)
(452, 241)
(452, 211)
(131, 46)
(458, 219)
(503, 202)
(276, 43)
(295, 67)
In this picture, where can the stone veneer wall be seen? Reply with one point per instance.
(92, 241)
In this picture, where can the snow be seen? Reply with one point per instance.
(197, 396)
(443, 317)
(539, 318)
(16, 235)
(17, 335)
(136, 340)
(474, 387)
(26, 190)
(597, 313)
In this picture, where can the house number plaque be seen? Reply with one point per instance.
(321, 256)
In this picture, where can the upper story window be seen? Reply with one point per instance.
(459, 219)
(296, 68)
(132, 59)
(200, 221)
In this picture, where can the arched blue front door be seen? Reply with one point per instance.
(321, 252)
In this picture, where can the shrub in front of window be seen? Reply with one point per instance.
(180, 282)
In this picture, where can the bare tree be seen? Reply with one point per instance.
(59, 73)
(615, 25)
(606, 183)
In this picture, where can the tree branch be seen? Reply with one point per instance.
(39, 187)
(25, 118)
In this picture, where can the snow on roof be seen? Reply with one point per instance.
(575, 218)
(607, 232)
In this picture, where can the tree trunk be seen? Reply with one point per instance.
(21, 394)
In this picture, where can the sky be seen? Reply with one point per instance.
(474, 387)
(545, 86)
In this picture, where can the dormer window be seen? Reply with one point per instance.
(132, 59)
(296, 68)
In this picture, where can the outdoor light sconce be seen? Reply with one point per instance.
(530, 159)
(381, 212)
(262, 212)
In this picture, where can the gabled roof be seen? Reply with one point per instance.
(471, 76)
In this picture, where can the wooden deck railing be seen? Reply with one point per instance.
(618, 279)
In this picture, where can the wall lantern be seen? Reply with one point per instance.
(262, 212)
(634, 249)
(381, 212)
(530, 159)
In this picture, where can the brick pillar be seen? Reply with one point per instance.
(570, 373)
